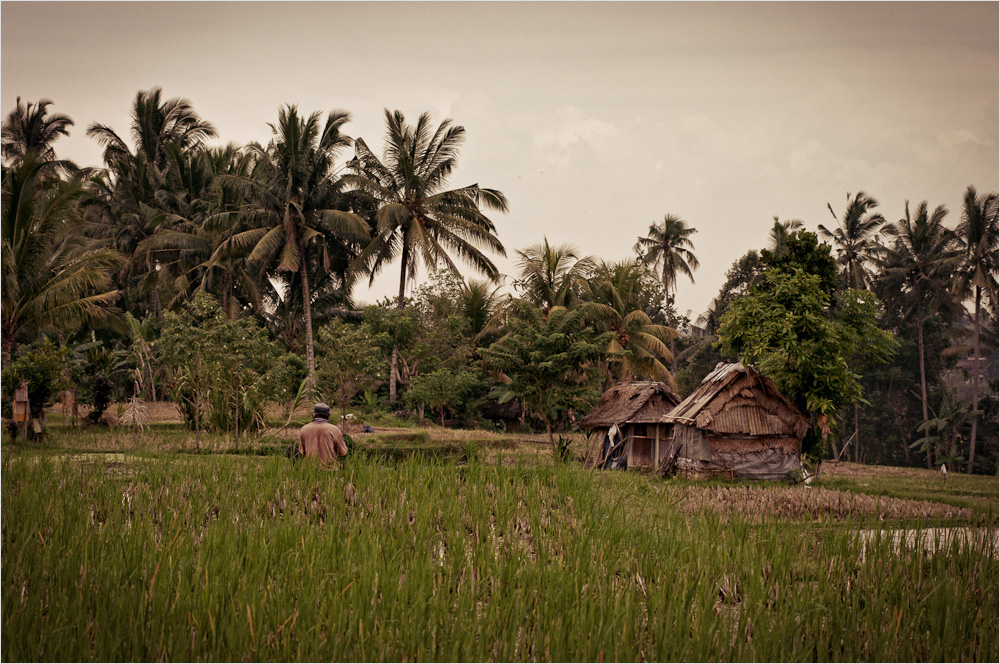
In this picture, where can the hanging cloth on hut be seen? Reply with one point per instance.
(613, 450)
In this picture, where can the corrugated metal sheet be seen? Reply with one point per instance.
(753, 420)
(736, 399)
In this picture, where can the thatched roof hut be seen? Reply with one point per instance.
(628, 420)
(738, 425)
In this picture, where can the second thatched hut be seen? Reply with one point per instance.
(737, 425)
(627, 420)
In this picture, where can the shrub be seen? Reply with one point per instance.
(42, 365)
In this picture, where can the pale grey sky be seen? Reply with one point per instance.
(595, 119)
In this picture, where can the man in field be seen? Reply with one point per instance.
(320, 439)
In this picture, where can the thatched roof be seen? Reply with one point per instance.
(631, 403)
(734, 399)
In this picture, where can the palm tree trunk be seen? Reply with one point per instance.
(857, 436)
(307, 315)
(923, 374)
(197, 403)
(975, 381)
(154, 299)
(8, 348)
(673, 339)
(400, 304)
(227, 305)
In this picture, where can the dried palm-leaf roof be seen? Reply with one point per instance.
(631, 403)
(734, 399)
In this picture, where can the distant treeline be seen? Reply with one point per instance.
(884, 331)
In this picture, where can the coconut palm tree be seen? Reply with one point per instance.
(479, 304)
(295, 210)
(118, 214)
(44, 289)
(418, 219)
(781, 231)
(637, 349)
(668, 248)
(550, 276)
(194, 249)
(978, 233)
(155, 125)
(30, 128)
(854, 237)
(130, 200)
(922, 255)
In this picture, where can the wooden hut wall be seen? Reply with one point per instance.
(737, 457)
(646, 444)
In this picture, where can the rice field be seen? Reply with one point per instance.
(498, 555)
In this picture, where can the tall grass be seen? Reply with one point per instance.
(226, 557)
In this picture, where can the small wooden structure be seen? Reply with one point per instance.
(22, 408)
(736, 424)
(635, 410)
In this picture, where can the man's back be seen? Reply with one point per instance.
(321, 440)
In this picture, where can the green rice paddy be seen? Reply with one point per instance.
(165, 556)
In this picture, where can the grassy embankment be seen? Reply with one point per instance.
(492, 552)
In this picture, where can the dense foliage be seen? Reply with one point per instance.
(549, 363)
(221, 372)
(273, 238)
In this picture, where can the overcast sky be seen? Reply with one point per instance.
(595, 119)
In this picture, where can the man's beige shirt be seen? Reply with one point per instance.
(322, 440)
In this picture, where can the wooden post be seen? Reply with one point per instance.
(656, 452)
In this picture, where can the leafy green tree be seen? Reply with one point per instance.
(550, 276)
(399, 328)
(788, 329)
(350, 361)
(441, 339)
(443, 390)
(418, 218)
(549, 363)
(668, 247)
(803, 250)
(223, 372)
(978, 232)
(99, 369)
(41, 366)
(298, 205)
